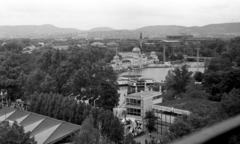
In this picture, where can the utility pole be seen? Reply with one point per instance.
(164, 49)
(198, 59)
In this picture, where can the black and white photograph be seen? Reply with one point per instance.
(120, 72)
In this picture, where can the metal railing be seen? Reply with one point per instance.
(218, 133)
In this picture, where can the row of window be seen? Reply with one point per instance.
(135, 112)
(133, 102)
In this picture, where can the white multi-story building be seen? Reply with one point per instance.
(137, 104)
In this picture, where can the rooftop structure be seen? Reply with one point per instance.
(45, 130)
(144, 94)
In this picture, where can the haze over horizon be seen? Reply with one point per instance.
(85, 15)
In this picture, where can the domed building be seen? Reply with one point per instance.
(137, 58)
(154, 57)
(136, 51)
(116, 63)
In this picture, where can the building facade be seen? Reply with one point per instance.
(137, 104)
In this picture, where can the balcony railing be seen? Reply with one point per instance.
(218, 133)
(133, 104)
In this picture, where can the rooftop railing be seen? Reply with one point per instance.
(218, 133)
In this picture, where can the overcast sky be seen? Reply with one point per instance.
(118, 14)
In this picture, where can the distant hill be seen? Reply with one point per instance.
(33, 30)
(166, 29)
(208, 30)
(212, 30)
(101, 29)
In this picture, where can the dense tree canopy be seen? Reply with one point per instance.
(12, 133)
(220, 82)
(47, 70)
(177, 80)
(150, 121)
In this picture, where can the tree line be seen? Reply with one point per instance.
(48, 77)
(76, 70)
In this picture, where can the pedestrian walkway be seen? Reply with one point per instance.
(142, 138)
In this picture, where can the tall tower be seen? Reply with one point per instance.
(140, 41)
(198, 59)
(164, 51)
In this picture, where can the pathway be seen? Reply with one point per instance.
(146, 136)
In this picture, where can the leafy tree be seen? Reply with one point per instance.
(160, 56)
(231, 102)
(212, 82)
(180, 56)
(179, 129)
(96, 114)
(150, 121)
(177, 80)
(198, 76)
(117, 130)
(217, 83)
(173, 57)
(219, 63)
(201, 116)
(14, 134)
(88, 134)
(109, 96)
(130, 139)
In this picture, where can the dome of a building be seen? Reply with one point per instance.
(116, 57)
(136, 49)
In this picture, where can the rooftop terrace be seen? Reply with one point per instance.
(144, 94)
(185, 104)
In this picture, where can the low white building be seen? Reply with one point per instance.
(155, 57)
(167, 111)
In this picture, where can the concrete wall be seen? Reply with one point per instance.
(147, 104)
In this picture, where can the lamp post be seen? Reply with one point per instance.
(70, 95)
(77, 96)
(95, 100)
(164, 51)
(88, 100)
(82, 98)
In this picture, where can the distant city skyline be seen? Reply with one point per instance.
(122, 14)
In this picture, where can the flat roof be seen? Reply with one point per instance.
(144, 94)
(137, 79)
(184, 103)
(171, 41)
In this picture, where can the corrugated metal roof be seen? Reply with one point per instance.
(45, 130)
